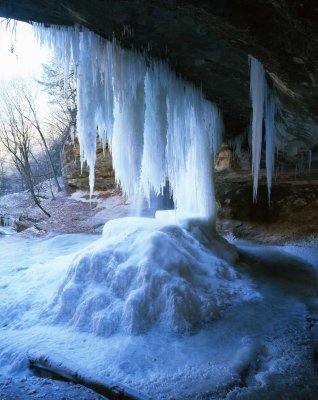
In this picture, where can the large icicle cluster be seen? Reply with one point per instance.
(158, 127)
(263, 101)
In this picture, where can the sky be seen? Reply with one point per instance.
(20, 54)
(21, 57)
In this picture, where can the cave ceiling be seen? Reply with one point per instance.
(208, 42)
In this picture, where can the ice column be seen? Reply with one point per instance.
(153, 167)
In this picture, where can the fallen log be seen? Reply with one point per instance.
(43, 365)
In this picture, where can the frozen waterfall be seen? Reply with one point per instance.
(158, 126)
(173, 273)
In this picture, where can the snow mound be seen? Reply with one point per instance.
(6, 230)
(143, 274)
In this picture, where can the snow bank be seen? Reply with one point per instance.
(142, 274)
(31, 270)
(7, 230)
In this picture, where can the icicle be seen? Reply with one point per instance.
(257, 91)
(237, 144)
(309, 161)
(301, 162)
(158, 127)
(72, 133)
(270, 136)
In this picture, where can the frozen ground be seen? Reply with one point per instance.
(31, 388)
(262, 344)
(70, 212)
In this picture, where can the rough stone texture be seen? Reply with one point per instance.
(225, 159)
(77, 179)
(208, 42)
(291, 214)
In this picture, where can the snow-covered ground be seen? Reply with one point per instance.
(7, 230)
(258, 339)
(70, 212)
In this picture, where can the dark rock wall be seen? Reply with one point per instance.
(290, 214)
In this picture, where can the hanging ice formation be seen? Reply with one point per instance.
(270, 110)
(309, 160)
(158, 127)
(237, 144)
(263, 101)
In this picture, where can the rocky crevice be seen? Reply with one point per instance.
(77, 176)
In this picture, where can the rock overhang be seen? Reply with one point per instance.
(208, 42)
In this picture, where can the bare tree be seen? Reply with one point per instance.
(17, 134)
(62, 93)
(36, 124)
(2, 177)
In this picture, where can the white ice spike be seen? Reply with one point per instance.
(270, 137)
(257, 91)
